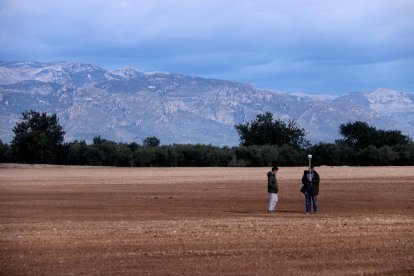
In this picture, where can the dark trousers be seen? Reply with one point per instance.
(311, 200)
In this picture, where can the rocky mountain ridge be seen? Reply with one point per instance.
(128, 105)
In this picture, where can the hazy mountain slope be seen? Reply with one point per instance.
(128, 105)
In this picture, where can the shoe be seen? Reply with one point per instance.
(270, 212)
(315, 212)
(308, 213)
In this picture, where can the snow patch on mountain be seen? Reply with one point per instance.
(385, 101)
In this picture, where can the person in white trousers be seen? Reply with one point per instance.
(272, 189)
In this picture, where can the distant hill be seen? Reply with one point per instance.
(128, 105)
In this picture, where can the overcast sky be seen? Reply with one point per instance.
(314, 46)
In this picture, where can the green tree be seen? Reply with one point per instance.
(405, 154)
(104, 151)
(359, 135)
(392, 138)
(374, 156)
(5, 152)
(124, 156)
(77, 153)
(266, 131)
(151, 142)
(332, 154)
(38, 138)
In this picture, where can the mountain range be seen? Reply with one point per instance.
(127, 105)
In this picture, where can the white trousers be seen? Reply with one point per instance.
(273, 198)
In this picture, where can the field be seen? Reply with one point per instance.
(203, 221)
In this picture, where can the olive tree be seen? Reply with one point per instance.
(37, 138)
(265, 130)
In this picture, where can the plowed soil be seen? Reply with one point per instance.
(58, 220)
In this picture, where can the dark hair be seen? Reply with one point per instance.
(275, 169)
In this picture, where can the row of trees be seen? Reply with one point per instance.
(264, 141)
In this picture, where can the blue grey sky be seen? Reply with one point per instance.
(310, 46)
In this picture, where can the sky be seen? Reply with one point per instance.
(308, 46)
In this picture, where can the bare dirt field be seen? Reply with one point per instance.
(203, 221)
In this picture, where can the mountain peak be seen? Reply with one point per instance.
(127, 72)
(384, 95)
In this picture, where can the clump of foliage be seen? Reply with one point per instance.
(38, 138)
(265, 130)
(264, 142)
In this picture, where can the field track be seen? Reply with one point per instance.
(57, 220)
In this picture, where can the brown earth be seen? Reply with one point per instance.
(203, 221)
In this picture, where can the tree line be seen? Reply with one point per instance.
(265, 141)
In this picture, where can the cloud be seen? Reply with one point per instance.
(266, 41)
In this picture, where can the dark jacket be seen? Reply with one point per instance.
(272, 186)
(313, 186)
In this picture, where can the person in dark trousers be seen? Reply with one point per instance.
(310, 188)
(272, 189)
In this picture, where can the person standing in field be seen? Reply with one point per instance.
(310, 188)
(272, 189)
